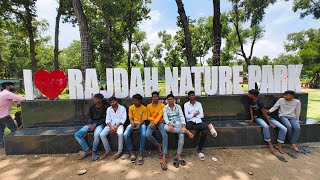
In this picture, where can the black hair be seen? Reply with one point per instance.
(5, 84)
(137, 96)
(290, 92)
(191, 92)
(254, 92)
(112, 98)
(170, 96)
(98, 95)
(155, 93)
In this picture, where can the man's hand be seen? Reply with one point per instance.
(138, 127)
(92, 127)
(112, 129)
(196, 114)
(272, 125)
(152, 125)
(171, 129)
(251, 121)
(183, 129)
(267, 111)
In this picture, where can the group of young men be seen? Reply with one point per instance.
(166, 118)
(103, 120)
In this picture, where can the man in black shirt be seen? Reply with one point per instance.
(259, 114)
(96, 123)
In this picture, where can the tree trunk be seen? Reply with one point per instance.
(130, 41)
(108, 42)
(30, 30)
(86, 46)
(56, 37)
(187, 36)
(216, 33)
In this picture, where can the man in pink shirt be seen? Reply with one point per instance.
(6, 102)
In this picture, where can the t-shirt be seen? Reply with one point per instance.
(97, 115)
(155, 113)
(257, 108)
(287, 108)
(6, 102)
(138, 114)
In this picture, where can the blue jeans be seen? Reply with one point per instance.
(152, 139)
(177, 130)
(293, 127)
(266, 130)
(9, 122)
(96, 139)
(127, 139)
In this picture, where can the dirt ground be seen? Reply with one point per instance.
(233, 163)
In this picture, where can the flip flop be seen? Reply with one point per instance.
(133, 158)
(292, 155)
(176, 163)
(304, 150)
(281, 158)
(182, 162)
(140, 160)
(124, 156)
(213, 131)
(163, 166)
(201, 156)
(95, 157)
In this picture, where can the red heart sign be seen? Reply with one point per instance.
(52, 83)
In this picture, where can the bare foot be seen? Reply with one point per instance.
(188, 133)
(159, 148)
(117, 156)
(271, 149)
(279, 148)
(295, 147)
(103, 156)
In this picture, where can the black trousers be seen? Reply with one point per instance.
(200, 128)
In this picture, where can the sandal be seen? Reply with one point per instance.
(84, 155)
(95, 157)
(163, 166)
(176, 163)
(281, 158)
(182, 162)
(292, 155)
(140, 160)
(201, 156)
(213, 131)
(133, 158)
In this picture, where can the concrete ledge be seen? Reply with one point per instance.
(55, 140)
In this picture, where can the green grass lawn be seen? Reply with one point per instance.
(313, 103)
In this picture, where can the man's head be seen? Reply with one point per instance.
(253, 93)
(113, 101)
(8, 86)
(289, 95)
(191, 96)
(170, 99)
(97, 99)
(155, 96)
(137, 100)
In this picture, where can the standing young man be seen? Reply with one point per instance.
(194, 113)
(259, 114)
(137, 116)
(95, 123)
(116, 117)
(7, 98)
(175, 123)
(155, 114)
(289, 112)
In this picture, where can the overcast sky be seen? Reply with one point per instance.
(279, 21)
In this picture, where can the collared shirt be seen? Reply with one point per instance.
(120, 116)
(155, 113)
(138, 114)
(190, 110)
(6, 102)
(174, 116)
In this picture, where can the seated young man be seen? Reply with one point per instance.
(137, 116)
(175, 123)
(259, 114)
(155, 114)
(7, 98)
(194, 113)
(289, 112)
(116, 117)
(96, 123)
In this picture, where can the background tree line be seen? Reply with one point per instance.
(110, 37)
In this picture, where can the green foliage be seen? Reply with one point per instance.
(307, 7)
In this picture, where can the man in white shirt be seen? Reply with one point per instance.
(115, 118)
(194, 113)
(289, 112)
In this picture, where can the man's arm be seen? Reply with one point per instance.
(13, 96)
(186, 112)
(160, 114)
(266, 116)
(251, 114)
(108, 118)
(201, 114)
(165, 116)
(103, 118)
(275, 106)
(90, 116)
(298, 110)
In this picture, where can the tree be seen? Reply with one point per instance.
(307, 45)
(86, 46)
(216, 33)
(70, 57)
(142, 48)
(183, 22)
(24, 11)
(252, 12)
(307, 7)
